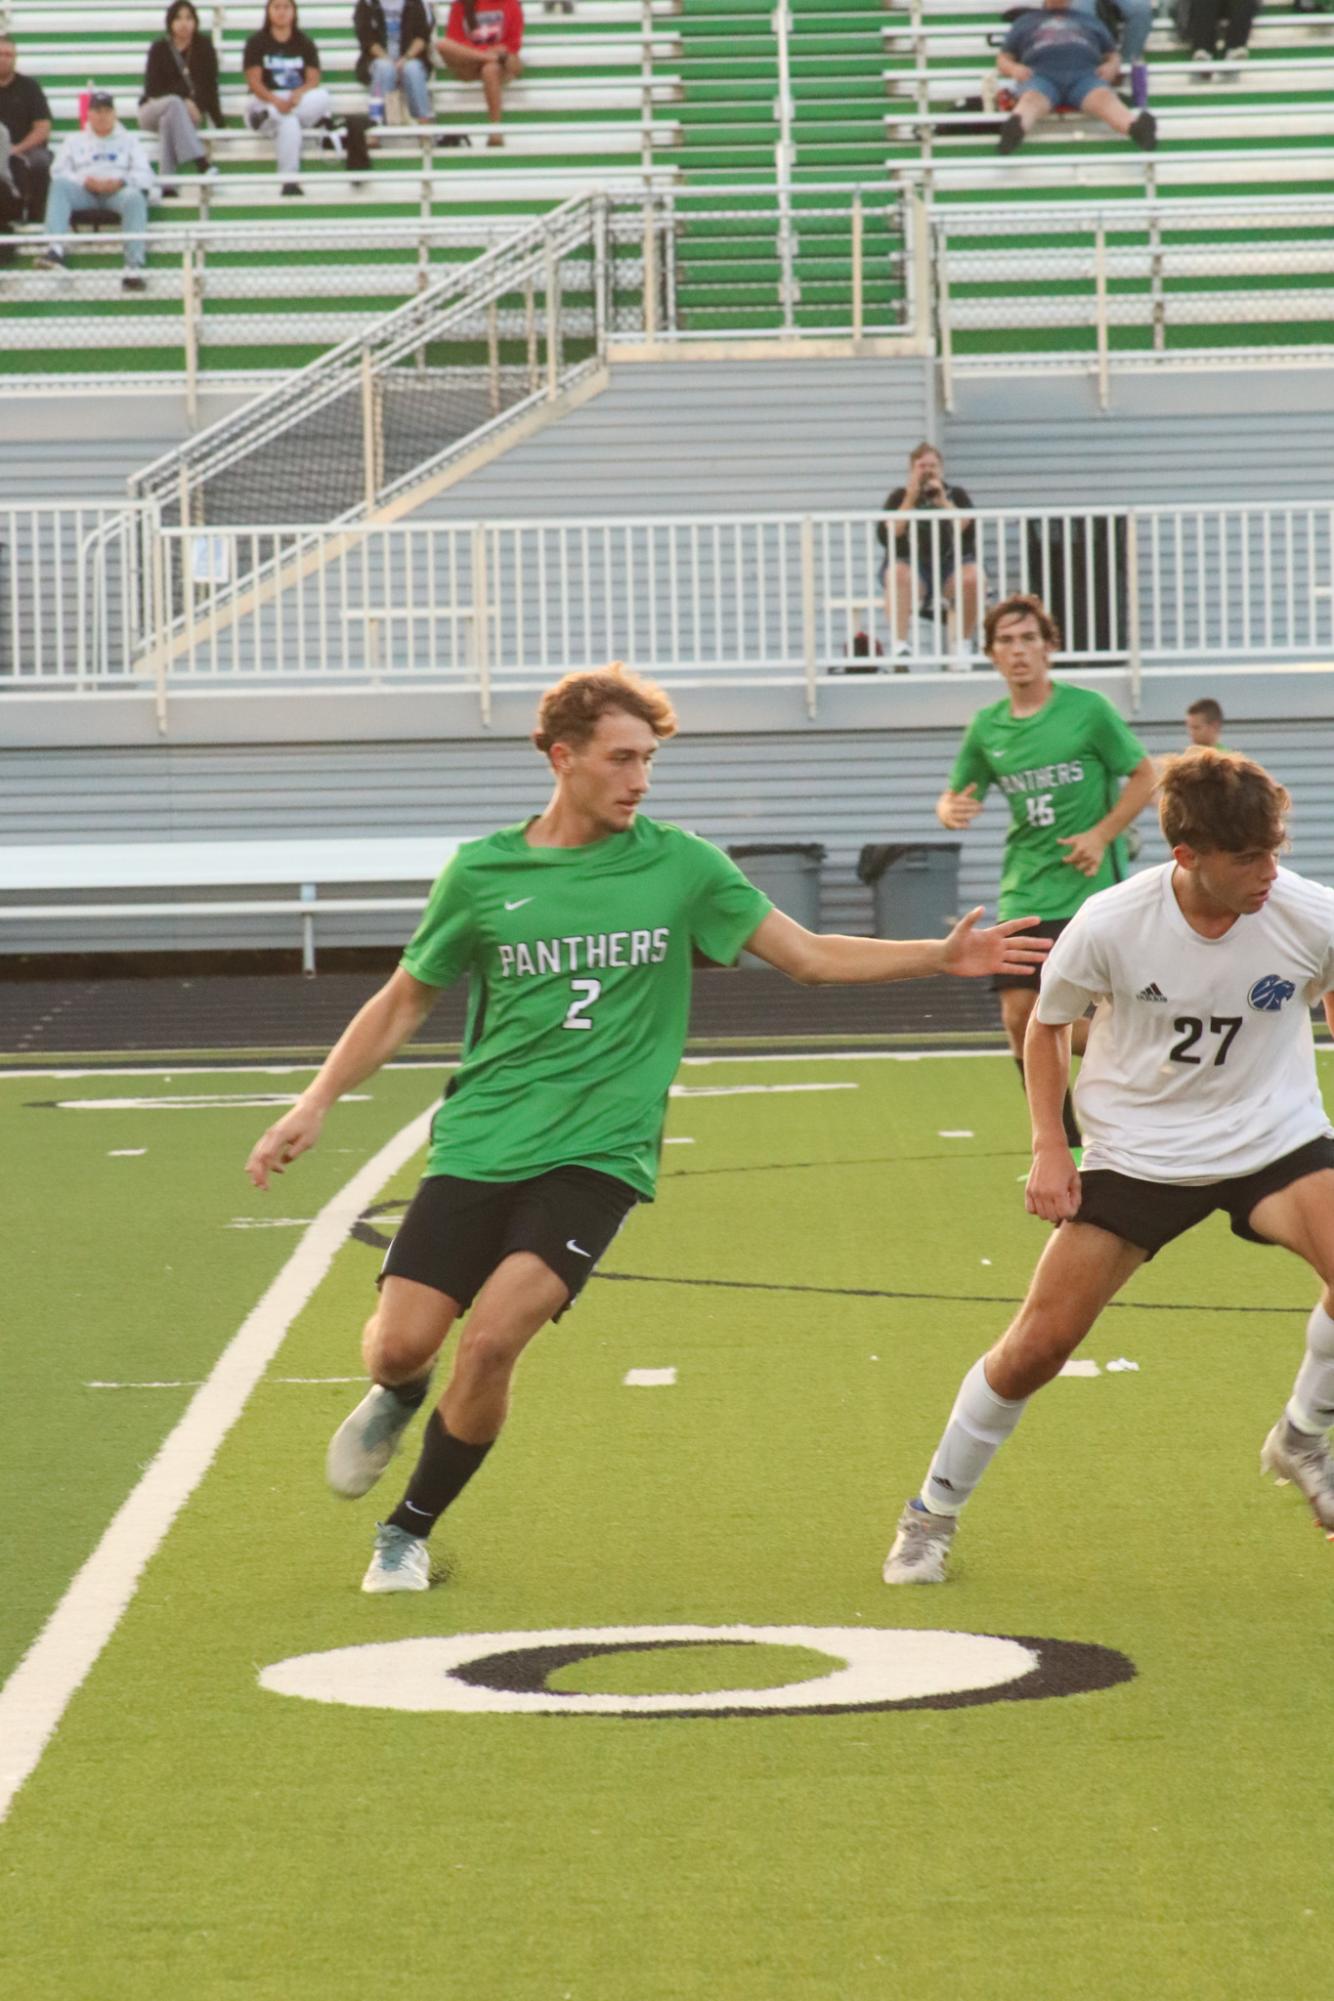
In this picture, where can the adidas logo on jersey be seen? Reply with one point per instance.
(1153, 992)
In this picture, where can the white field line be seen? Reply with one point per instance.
(39, 1690)
(448, 1063)
(206, 1101)
(750, 1090)
(195, 1382)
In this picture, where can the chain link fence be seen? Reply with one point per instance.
(1131, 278)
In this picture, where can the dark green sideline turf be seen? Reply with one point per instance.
(820, 1270)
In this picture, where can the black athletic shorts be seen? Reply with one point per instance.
(1050, 927)
(1152, 1213)
(456, 1232)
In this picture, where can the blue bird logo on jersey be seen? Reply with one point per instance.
(1271, 993)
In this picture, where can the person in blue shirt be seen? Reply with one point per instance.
(1065, 60)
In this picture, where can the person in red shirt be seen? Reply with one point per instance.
(481, 43)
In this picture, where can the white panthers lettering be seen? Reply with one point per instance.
(580, 954)
(1042, 778)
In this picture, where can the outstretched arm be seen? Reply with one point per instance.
(820, 959)
(369, 1040)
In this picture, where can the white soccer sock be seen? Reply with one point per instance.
(979, 1423)
(1311, 1405)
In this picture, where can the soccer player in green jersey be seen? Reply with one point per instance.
(1056, 753)
(576, 931)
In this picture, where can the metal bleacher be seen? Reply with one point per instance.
(754, 106)
(594, 102)
(1220, 239)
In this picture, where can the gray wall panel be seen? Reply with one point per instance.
(840, 788)
(711, 438)
(1219, 438)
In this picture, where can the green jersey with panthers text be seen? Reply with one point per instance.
(1058, 770)
(579, 966)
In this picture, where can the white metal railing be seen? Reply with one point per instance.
(77, 594)
(347, 385)
(1159, 268)
(761, 600)
(218, 290)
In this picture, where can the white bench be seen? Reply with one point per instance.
(98, 881)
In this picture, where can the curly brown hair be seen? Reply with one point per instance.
(571, 711)
(1213, 799)
(1021, 604)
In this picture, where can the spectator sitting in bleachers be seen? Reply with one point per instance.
(481, 42)
(395, 44)
(282, 73)
(25, 127)
(1136, 27)
(180, 94)
(1200, 23)
(102, 168)
(1066, 61)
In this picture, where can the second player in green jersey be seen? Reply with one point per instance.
(1057, 755)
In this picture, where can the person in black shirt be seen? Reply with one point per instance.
(282, 70)
(394, 40)
(25, 128)
(928, 562)
(180, 93)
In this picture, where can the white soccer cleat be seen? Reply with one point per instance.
(401, 1562)
(921, 1548)
(365, 1442)
(1302, 1457)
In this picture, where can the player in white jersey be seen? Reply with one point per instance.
(1203, 974)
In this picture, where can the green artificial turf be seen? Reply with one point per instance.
(820, 1270)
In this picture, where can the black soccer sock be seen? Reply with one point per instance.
(1073, 1136)
(411, 1395)
(444, 1469)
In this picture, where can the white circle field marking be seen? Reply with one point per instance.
(875, 1668)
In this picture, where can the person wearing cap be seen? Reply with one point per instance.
(103, 167)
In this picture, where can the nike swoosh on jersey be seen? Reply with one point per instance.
(571, 1245)
(518, 902)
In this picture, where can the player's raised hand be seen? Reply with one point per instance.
(1053, 1190)
(958, 809)
(1086, 851)
(295, 1133)
(1001, 948)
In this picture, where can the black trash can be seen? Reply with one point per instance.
(1086, 592)
(916, 887)
(789, 874)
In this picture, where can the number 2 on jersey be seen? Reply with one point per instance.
(1191, 1028)
(585, 993)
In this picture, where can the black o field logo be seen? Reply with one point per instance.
(868, 1669)
(376, 1225)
